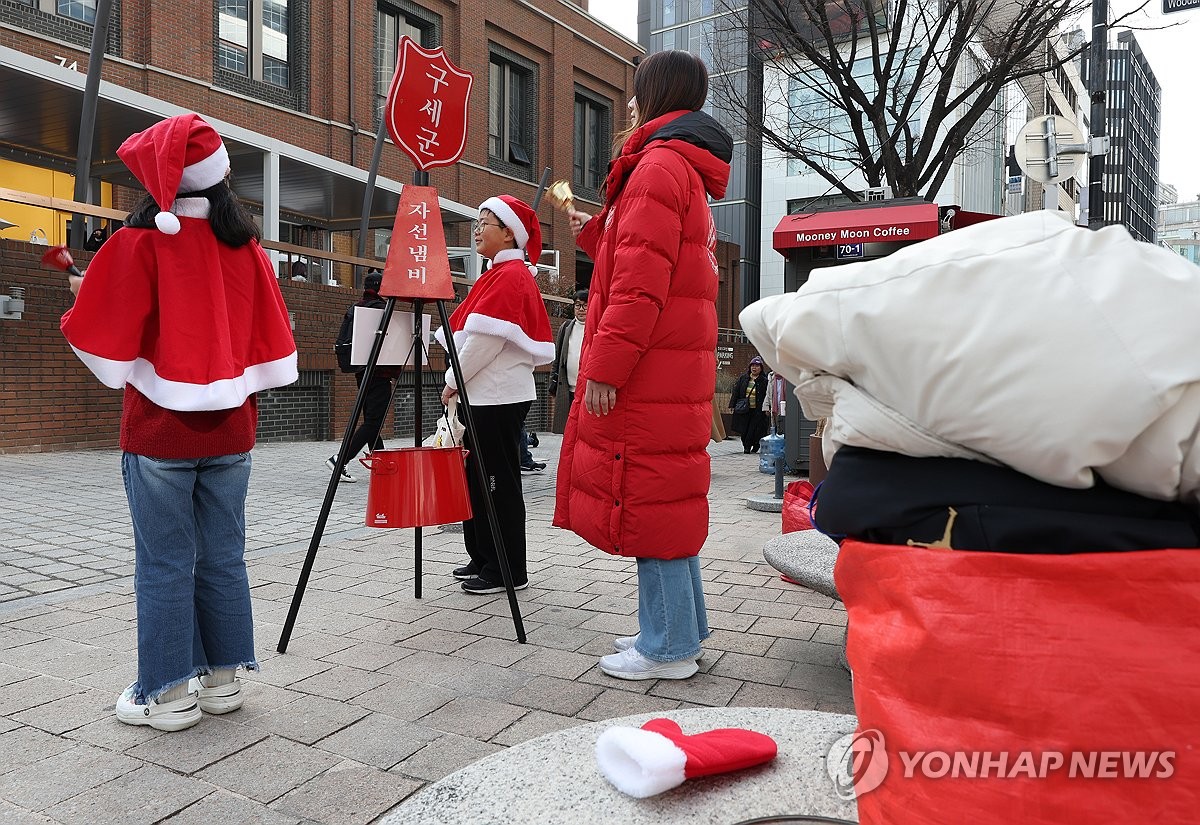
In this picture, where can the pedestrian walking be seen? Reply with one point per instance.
(634, 472)
(380, 388)
(182, 310)
(746, 401)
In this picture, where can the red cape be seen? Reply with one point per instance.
(1088, 654)
(190, 322)
(505, 302)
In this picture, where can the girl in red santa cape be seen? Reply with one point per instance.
(181, 309)
(501, 332)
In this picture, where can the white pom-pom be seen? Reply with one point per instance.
(532, 270)
(167, 223)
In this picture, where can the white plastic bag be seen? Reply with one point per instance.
(449, 431)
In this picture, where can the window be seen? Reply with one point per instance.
(511, 113)
(391, 24)
(592, 124)
(82, 10)
(253, 39)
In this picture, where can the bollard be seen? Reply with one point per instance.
(779, 476)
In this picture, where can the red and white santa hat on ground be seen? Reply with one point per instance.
(659, 756)
(522, 220)
(179, 154)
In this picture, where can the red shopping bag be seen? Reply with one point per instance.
(796, 498)
(964, 662)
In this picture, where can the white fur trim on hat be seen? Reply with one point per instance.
(640, 762)
(205, 173)
(509, 218)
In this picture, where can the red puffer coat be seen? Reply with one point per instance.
(635, 482)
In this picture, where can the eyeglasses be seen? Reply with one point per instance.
(478, 224)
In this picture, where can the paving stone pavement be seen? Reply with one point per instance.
(379, 693)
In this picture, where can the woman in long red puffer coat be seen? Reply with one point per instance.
(634, 473)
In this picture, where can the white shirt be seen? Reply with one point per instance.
(574, 346)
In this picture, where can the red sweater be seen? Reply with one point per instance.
(150, 430)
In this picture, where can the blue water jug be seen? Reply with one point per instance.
(770, 446)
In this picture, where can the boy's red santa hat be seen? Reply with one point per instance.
(518, 216)
(659, 756)
(179, 154)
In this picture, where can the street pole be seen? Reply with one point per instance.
(1098, 77)
(87, 121)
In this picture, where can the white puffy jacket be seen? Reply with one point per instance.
(1024, 341)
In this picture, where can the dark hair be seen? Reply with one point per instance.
(581, 295)
(231, 222)
(373, 281)
(669, 81)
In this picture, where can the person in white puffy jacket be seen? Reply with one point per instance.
(1025, 341)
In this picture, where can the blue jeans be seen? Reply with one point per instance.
(671, 617)
(193, 595)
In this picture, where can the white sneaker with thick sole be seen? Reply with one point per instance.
(219, 699)
(168, 716)
(626, 642)
(629, 664)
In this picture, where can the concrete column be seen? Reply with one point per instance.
(271, 202)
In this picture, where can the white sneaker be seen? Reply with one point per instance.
(331, 462)
(629, 664)
(218, 699)
(626, 642)
(168, 716)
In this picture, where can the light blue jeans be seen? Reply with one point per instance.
(193, 595)
(671, 617)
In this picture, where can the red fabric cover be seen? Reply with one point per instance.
(505, 302)
(796, 498)
(716, 751)
(998, 652)
(635, 482)
(194, 324)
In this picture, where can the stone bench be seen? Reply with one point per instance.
(806, 557)
(554, 778)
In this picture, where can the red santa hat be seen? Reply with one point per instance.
(659, 756)
(179, 154)
(518, 216)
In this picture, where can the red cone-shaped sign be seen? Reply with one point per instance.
(417, 264)
(427, 106)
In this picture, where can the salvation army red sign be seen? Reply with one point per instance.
(426, 112)
(417, 265)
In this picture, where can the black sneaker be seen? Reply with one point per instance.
(482, 587)
(468, 571)
(533, 467)
(533, 440)
(331, 462)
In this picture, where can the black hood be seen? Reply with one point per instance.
(698, 129)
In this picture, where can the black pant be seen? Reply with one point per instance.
(499, 430)
(375, 409)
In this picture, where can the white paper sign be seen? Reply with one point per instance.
(398, 344)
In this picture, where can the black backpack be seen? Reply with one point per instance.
(341, 344)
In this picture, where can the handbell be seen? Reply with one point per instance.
(560, 195)
(59, 257)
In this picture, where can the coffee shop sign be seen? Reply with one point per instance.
(878, 233)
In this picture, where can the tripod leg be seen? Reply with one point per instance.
(481, 475)
(334, 478)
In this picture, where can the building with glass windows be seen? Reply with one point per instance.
(1134, 112)
(715, 30)
(1179, 228)
(297, 89)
